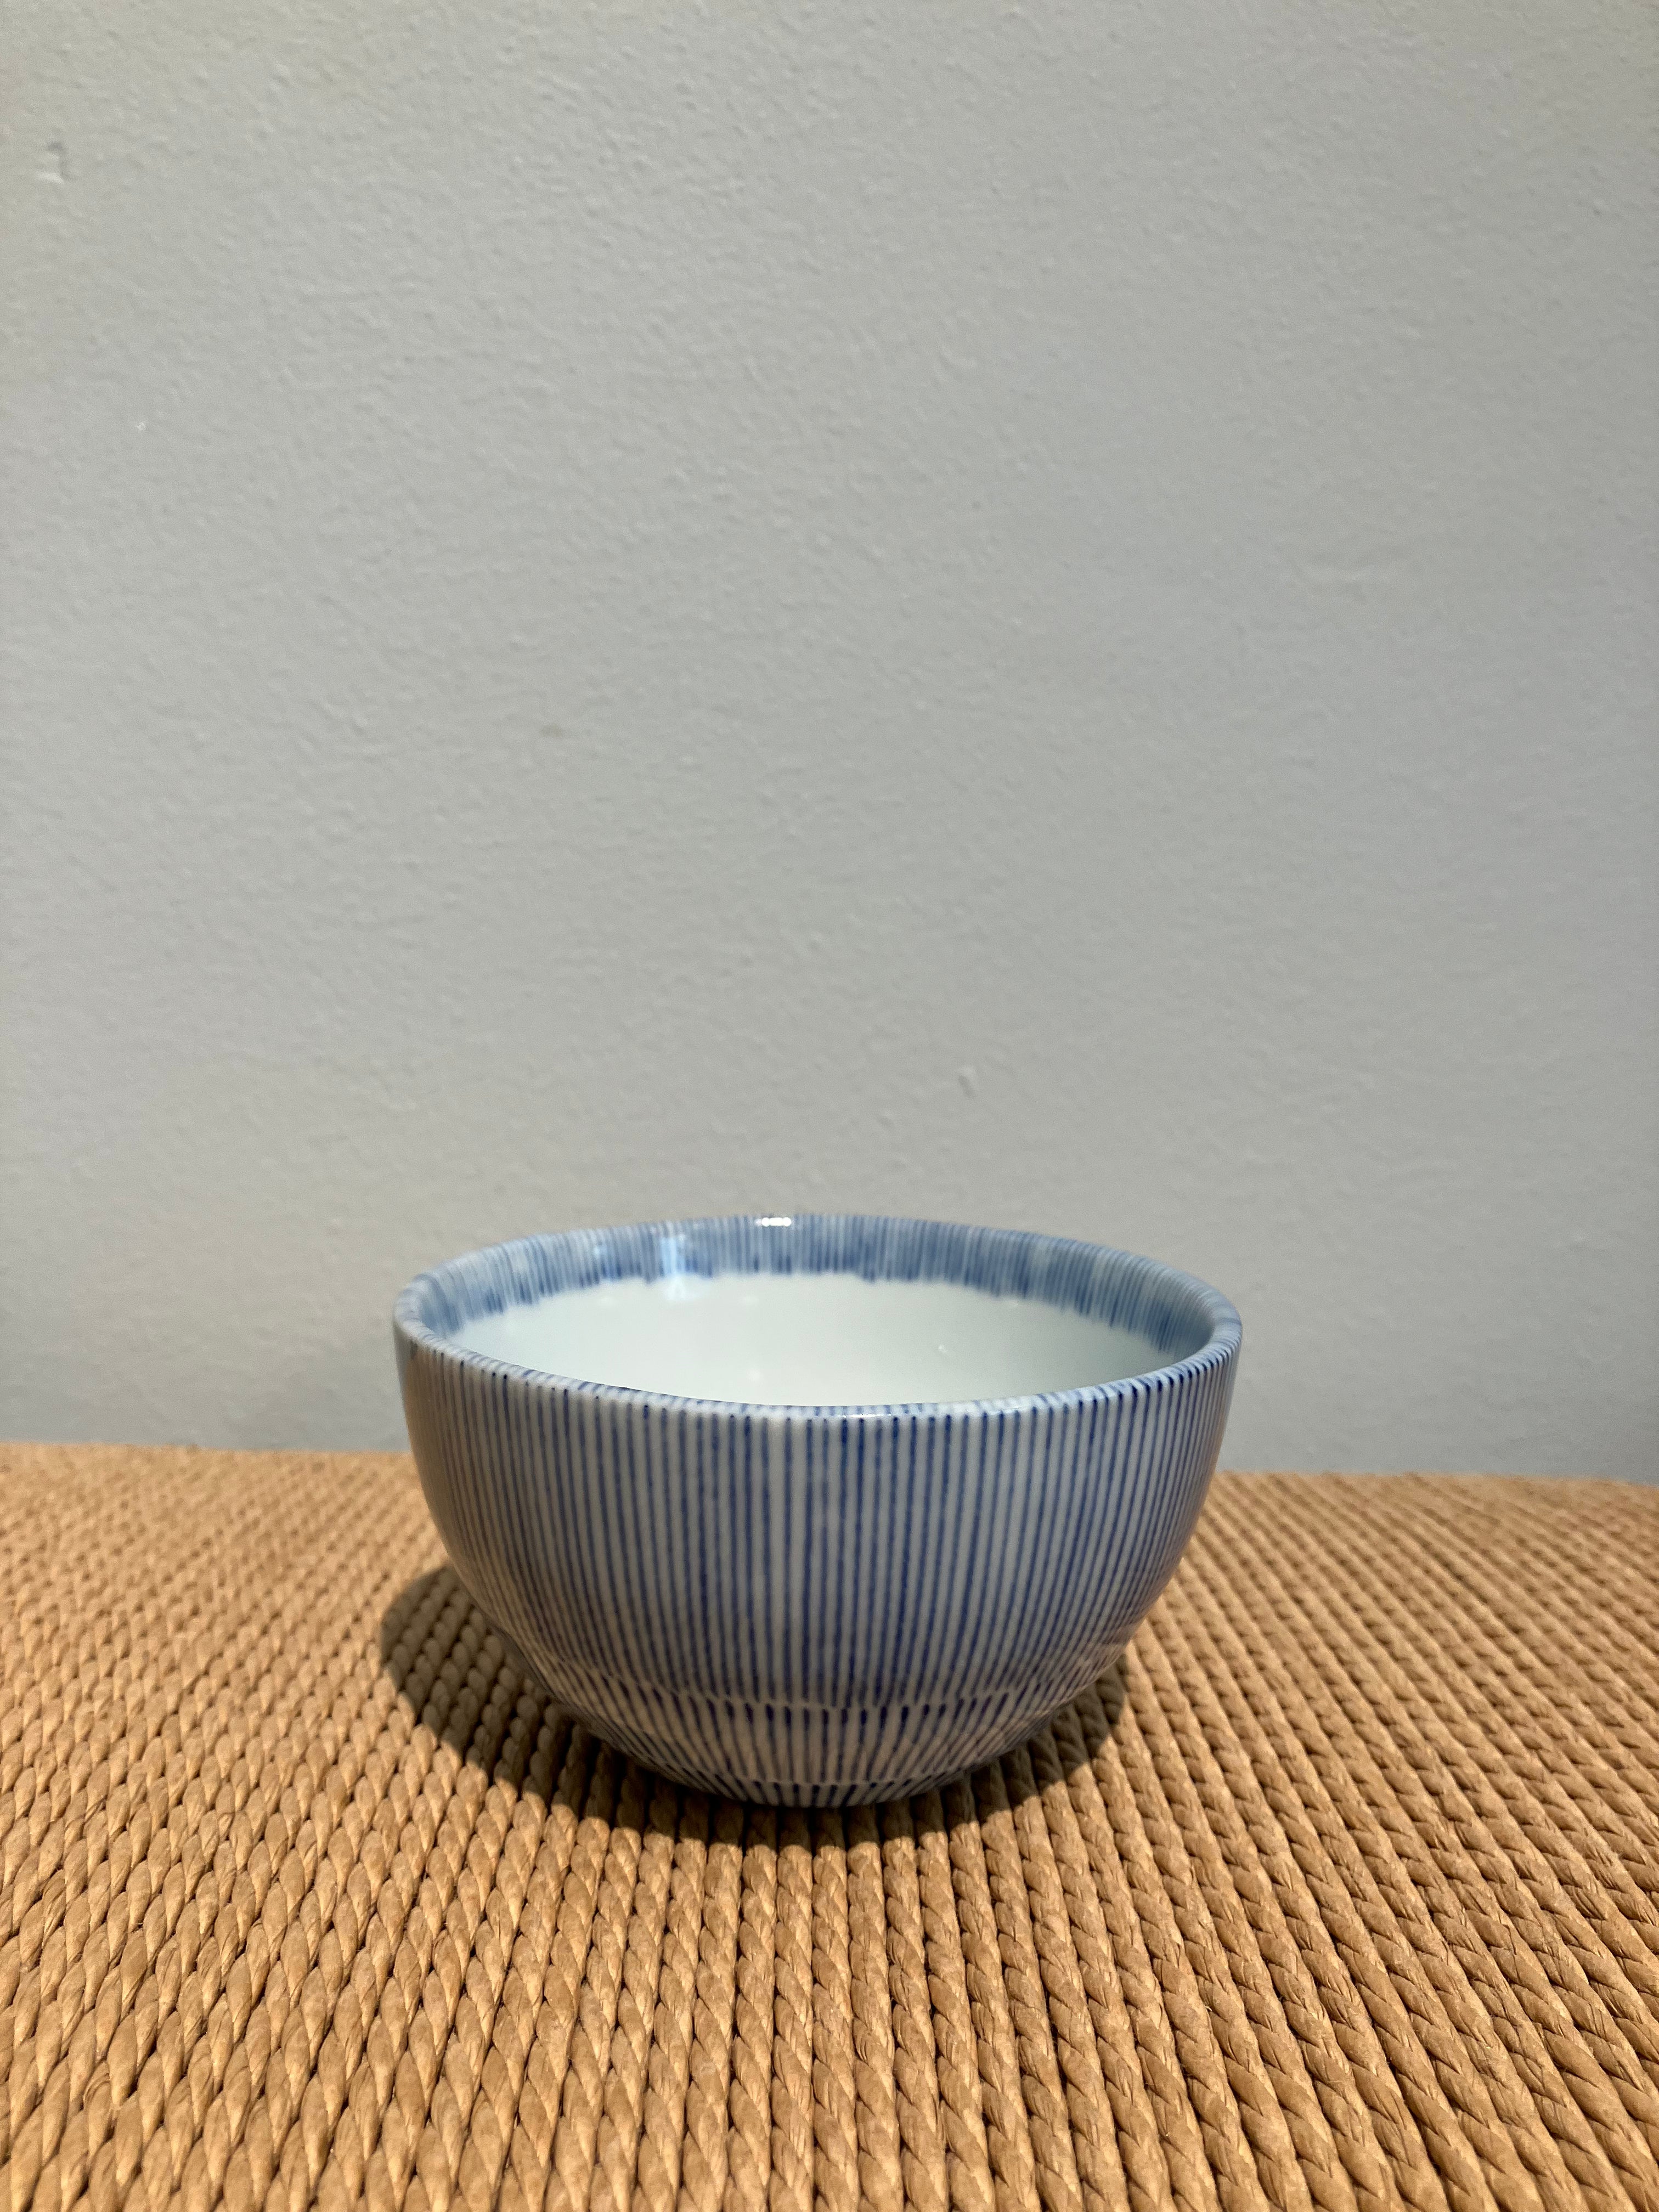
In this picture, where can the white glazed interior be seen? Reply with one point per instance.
(812, 1340)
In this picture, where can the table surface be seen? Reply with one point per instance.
(1343, 1890)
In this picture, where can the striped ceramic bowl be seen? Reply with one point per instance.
(814, 1508)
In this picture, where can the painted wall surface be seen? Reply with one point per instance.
(1041, 614)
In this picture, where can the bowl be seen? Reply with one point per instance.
(814, 1509)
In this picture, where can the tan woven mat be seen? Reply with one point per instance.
(1343, 1891)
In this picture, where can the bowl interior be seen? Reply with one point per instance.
(809, 1340)
(824, 1311)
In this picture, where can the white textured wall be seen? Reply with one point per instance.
(1043, 615)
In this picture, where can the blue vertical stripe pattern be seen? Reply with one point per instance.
(815, 1605)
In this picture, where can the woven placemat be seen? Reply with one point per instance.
(1343, 1890)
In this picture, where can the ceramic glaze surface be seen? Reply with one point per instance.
(814, 1600)
(809, 1340)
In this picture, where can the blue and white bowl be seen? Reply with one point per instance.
(817, 1508)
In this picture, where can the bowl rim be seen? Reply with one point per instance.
(1220, 1346)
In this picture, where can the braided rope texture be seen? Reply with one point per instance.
(1342, 1892)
